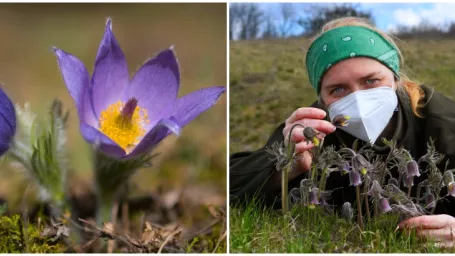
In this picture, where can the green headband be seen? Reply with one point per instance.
(345, 42)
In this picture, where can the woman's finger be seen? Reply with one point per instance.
(303, 146)
(306, 112)
(428, 222)
(320, 125)
(437, 235)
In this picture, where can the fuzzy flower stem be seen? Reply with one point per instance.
(376, 210)
(410, 185)
(359, 208)
(323, 180)
(284, 189)
(285, 172)
(365, 191)
(313, 172)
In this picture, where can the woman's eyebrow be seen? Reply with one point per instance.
(372, 74)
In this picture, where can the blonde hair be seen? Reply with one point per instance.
(412, 88)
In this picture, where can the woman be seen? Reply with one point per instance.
(355, 70)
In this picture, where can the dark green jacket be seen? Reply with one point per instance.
(250, 171)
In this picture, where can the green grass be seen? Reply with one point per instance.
(268, 81)
(304, 230)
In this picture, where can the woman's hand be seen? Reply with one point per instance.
(308, 117)
(438, 228)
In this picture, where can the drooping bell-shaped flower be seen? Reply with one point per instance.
(7, 122)
(354, 178)
(408, 181)
(127, 117)
(341, 120)
(311, 135)
(412, 169)
(384, 205)
(375, 189)
(360, 164)
(313, 197)
(344, 167)
(451, 189)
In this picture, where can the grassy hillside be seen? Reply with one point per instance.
(268, 81)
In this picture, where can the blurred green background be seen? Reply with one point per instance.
(29, 73)
(268, 81)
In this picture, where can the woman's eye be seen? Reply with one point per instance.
(372, 81)
(337, 90)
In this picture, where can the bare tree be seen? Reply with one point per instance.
(319, 15)
(248, 17)
(270, 30)
(288, 21)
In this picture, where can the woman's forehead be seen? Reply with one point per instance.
(353, 68)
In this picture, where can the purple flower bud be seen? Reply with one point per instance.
(360, 164)
(354, 178)
(344, 168)
(310, 135)
(313, 197)
(412, 169)
(447, 178)
(451, 189)
(346, 211)
(406, 181)
(375, 189)
(384, 205)
(341, 120)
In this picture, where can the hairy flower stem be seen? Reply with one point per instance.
(376, 210)
(359, 208)
(313, 172)
(323, 181)
(410, 186)
(284, 190)
(285, 172)
(365, 191)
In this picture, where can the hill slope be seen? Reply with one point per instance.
(268, 81)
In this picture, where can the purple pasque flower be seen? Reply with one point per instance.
(313, 197)
(127, 117)
(408, 181)
(375, 189)
(354, 178)
(384, 205)
(412, 169)
(359, 163)
(344, 167)
(7, 122)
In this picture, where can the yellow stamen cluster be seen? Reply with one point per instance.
(126, 131)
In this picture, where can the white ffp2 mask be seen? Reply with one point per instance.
(369, 110)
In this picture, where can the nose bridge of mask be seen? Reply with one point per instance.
(358, 103)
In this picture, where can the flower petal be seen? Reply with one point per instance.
(77, 81)
(101, 141)
(190, 106)
(110, 76)
(155, 135)
(7, 122)
(155, 85)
